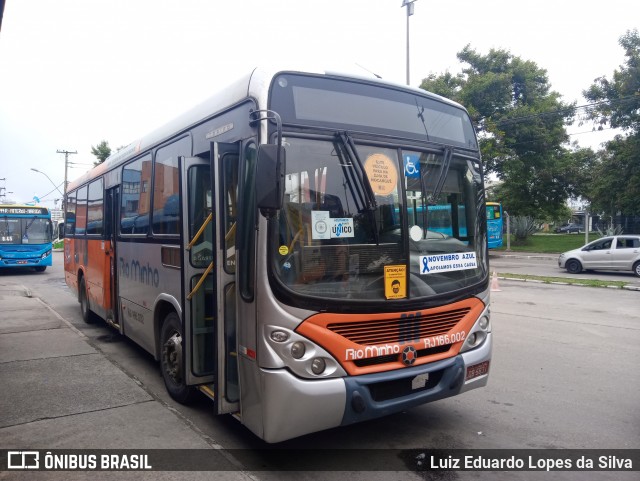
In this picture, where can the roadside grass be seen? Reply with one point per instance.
(565, 280)
(58, 244)
(549, 243)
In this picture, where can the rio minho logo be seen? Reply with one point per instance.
(23, 460)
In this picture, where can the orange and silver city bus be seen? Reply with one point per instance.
(271, 248)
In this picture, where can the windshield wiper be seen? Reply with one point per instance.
(352, 154)
(358, 182)
(25, 234)
(421, 117)
(442, 176)
(425, 205)
(29, 224)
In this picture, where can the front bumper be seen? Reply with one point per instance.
(292, 406)
(374, 395)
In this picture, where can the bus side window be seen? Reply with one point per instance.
(81, 211)
(95, 206)
(70, 217)
(134, 211)
(166, 189)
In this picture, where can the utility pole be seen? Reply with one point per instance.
(409, 5)
(66, 167)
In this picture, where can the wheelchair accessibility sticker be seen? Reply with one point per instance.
(412, 166)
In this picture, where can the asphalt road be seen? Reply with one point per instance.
(564, 375)
(547, 265)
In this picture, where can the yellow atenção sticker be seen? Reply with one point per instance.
(395, 282)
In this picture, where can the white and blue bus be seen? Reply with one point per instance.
(267, 249)
(26, 234)
(494, 224)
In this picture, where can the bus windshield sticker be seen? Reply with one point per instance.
(456, 261)
(382, 174)
(412, 166)
(395, 282)
(341, 227)
(325, 227)
(320, 220)
(416, 233)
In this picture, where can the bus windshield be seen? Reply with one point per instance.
(24, 230)
(331, 240)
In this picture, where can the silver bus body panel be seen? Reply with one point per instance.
(143, 281)
(481, 354)
(293, 406)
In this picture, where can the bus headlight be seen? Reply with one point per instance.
(478, 333)
(301, 356)
(297, 350)
(46, 254)
(318, 365)
(279, 336)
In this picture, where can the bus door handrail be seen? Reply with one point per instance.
(200, 281)
(200, 231)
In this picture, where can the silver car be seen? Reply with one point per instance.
(615, 253)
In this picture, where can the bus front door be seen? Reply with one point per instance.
(203, 316)
(112, 203)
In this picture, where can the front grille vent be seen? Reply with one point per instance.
(404, 329)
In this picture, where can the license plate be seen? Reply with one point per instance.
(477, 370)
(21, 262)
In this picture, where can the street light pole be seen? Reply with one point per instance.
(409, 5)
(52, 183)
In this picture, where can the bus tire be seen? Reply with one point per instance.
(40, 268)
(84, 302)
(172, 360)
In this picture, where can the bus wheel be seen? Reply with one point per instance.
(172, 360)
(84, 303)
(40, 268)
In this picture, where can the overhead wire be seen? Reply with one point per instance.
(50, 192)
(562, 111)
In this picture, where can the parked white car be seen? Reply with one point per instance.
(615, 253)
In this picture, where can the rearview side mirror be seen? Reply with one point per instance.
(270, 178)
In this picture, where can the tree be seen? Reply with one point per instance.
(617, 101)
(615, 182)
(101, 151)
(521, 126)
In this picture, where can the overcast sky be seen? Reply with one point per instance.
(75, 72)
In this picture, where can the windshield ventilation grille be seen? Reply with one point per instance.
(405, 329)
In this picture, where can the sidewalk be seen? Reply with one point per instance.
(59, 392)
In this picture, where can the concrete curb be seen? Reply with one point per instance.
(537, 281)
(524, 255)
